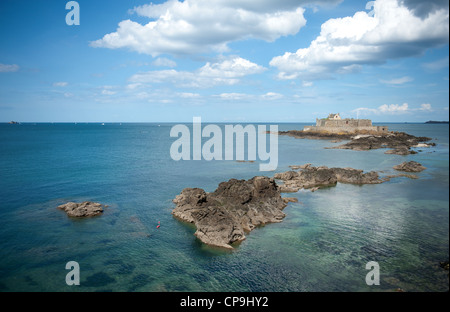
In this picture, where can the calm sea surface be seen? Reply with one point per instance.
(323, 244)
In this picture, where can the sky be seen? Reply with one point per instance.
(224, 60)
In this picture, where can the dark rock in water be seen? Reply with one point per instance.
(401, 142)
(444, 265)
(410, 166)
(85, 209)
(315, 177)
(234, 208)
(400, 151)
(299, 134)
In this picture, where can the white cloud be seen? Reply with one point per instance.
(5, 68)
(133, 86)
(226, 72)
(189, 95)
(272, 96)
(426, 107)
(60, 84)
(393, 109)
(108, 92)
(164, 62)
(398, 81)
(194, 26)
(234, 96)
(345, 44)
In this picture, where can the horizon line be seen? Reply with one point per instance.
(170, 122)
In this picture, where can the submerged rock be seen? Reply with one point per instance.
(85, 209)
(234, 208)
(315, 177)
(410, 166)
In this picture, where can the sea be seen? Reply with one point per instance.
(324, 244)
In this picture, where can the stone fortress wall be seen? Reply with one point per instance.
(345, 125)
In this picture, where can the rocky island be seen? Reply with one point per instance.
(80, 210)
(361, 134)
(236, 207)
(400, 143)
(410, 166)
(310, 177)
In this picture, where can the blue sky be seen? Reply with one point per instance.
(224, 60)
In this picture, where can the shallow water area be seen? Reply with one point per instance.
(323, 244)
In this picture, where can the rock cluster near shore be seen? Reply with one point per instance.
(310, 177)
(234, 208)
(410, 166)
(400, 143)
(84, 209)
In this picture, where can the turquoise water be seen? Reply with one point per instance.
(323, 244)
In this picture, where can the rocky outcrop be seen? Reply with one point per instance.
(399, 142)
(401, 151)
(316, 177)
(410, 166)
(235, 208)
(79, 210)
(290, 199)
(298, 134)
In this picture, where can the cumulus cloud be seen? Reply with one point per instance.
(346, 44)
(194, 26)
(5, 68)
(424, 8)
(225, 72)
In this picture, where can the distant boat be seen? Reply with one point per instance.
(103, 124)
(12, 122)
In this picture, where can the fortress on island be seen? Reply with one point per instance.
(335, 124)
